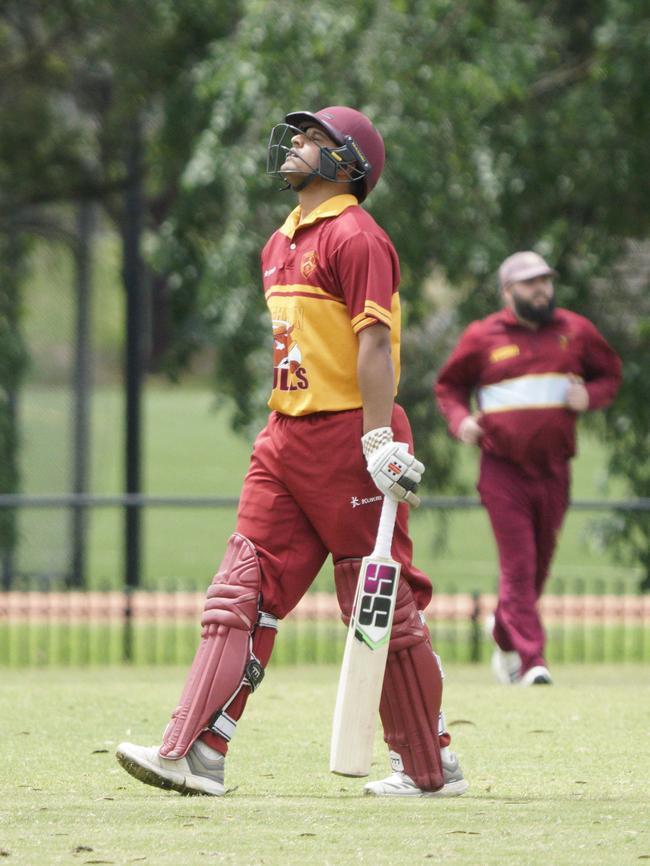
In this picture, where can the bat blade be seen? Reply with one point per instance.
(364, 664)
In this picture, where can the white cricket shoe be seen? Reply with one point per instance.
(505, 666)
(537, 676)
(401, 785)
(201, 771)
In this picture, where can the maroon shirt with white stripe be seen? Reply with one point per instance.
(519, 377)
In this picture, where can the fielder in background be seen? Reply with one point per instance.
(532, 369)
(318, 472)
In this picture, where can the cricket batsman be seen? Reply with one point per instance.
(533, 369)
(318, 473)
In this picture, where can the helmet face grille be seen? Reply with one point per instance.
(343, 164)
(279, 147)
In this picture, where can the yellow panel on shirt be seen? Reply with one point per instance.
(325, 281)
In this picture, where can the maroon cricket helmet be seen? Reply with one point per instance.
(347, 126)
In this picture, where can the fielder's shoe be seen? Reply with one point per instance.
(401, 785)
(201, 771)
(537, 676)
(505, 666)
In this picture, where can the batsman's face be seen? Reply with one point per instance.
(304, 154)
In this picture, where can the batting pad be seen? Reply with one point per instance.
(219, 666)
(411, 696)
(346, 574)
(412, 690)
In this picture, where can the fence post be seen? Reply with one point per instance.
(127, 636)
(133, 355)
(475, 629)
(82, 387)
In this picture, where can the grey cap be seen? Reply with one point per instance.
(523, 266)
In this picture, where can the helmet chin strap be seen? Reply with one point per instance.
(299, 187)
(313, 172)
(305, 183)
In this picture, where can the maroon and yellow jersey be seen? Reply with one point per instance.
(520, 377)
(325, 280)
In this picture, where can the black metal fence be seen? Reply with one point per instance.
(128, 546)
(41, 626)
(46, 621)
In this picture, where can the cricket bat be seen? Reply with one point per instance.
(364, 659)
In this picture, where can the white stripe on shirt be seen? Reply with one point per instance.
(525, 392)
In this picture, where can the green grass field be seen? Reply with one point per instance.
(558, 776)
(189, 449)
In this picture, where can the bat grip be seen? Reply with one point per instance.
(386, 526)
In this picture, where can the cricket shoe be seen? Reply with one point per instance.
(201, 771)
(537, 676)
(488, 625)
(505, 666)
(401, 785)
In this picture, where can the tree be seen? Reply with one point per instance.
(508, 125)
(575, 149)
(623, 302)
(30, 143)
(12, 367)
(77, 78)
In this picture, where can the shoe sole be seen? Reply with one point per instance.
(451, 789)
(150, 775)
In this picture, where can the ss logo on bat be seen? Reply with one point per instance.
(375, 606)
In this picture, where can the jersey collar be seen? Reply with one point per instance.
(330, 208)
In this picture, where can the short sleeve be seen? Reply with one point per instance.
(367, 270)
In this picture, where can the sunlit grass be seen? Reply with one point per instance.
(558, 775)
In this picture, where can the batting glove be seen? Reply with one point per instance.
(395, 472)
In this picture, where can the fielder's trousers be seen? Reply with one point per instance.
(526, 516)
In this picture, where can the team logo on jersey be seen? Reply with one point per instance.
(564, 342)
(288, 372)
(502, 353)
(308, 263)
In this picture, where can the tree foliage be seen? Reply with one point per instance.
(13, 360)
(508, 125)
(76, 78)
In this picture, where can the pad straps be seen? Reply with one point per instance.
(221, 660)
(222, 724)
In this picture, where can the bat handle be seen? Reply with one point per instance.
(386, 527)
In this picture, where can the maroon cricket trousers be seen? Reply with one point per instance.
(526, 516)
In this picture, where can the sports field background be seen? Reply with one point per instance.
(558, 776)
(190, 450)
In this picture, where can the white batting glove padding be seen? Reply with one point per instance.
(395, 472)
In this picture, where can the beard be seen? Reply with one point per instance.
(531, 313)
